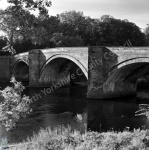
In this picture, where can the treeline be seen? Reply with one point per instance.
(68, 29)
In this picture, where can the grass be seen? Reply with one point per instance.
(62, 138)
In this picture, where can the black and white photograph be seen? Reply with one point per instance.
(74, 75)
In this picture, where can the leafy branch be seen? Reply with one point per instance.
(13, 105)
(143, 110)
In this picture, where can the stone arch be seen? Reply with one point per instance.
(127, 62)
(59, 67)
(21, 70)
(77, 62)
(123, 81)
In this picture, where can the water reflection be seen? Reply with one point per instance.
(107, 115)
(62, 106)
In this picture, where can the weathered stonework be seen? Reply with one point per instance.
(110, 71)
(4, 68)
(95, 72)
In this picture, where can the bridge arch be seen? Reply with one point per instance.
(122, 79)
(21, 70)
(77, 62)
(127, 62)
(61, 66)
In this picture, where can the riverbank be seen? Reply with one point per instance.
(65, 139)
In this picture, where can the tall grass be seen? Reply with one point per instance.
(62, 138)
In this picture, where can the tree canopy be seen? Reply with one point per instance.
(147, 34)
(18, 22)
(3, 42)
(27, 31)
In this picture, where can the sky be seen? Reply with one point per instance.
(136, 11)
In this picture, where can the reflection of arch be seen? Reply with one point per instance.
(21, 70)
(78, 63)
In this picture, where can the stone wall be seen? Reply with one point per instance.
(4, 68)
(110, 71)
(95, 73)
(45, 64)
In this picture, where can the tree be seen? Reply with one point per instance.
(105, 31)
(3, 42)
(147, 34)
(115, 32)
(75, 24)
(3, 45)
(40, 5)
(19, 23)
(59, 40)
(147, 30)
(70, 28)
(50, 26)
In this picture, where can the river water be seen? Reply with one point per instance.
(68, 106)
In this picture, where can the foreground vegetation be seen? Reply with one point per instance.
(62, 138)
(15, 105)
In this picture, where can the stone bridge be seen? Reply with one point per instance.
(106, 71)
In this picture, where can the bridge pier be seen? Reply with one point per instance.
(34, 68)
(119, 89)
(110, 71)
(5, 68)
(100, 60)
(95, 73)
(36, 60)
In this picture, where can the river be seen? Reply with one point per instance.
(68, 106)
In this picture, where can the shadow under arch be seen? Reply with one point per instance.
(123, 81)
(21, 71)
(127, 62)
(84, 70)
(62, 68)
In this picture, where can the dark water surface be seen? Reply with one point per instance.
(66, 105)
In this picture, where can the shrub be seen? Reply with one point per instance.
(13, 105)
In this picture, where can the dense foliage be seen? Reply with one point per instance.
(64, 139)
(27, 31)
(147, 34)
(13, 105)
(3, 42)
(18, 22)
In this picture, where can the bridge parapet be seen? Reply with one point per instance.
(40, 59)
(121, 78)
(111, 71)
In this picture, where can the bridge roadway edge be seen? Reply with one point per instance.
(99, 60)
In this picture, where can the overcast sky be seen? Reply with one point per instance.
(136, 11)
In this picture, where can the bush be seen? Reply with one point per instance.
(62, 138)
(13, 105)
